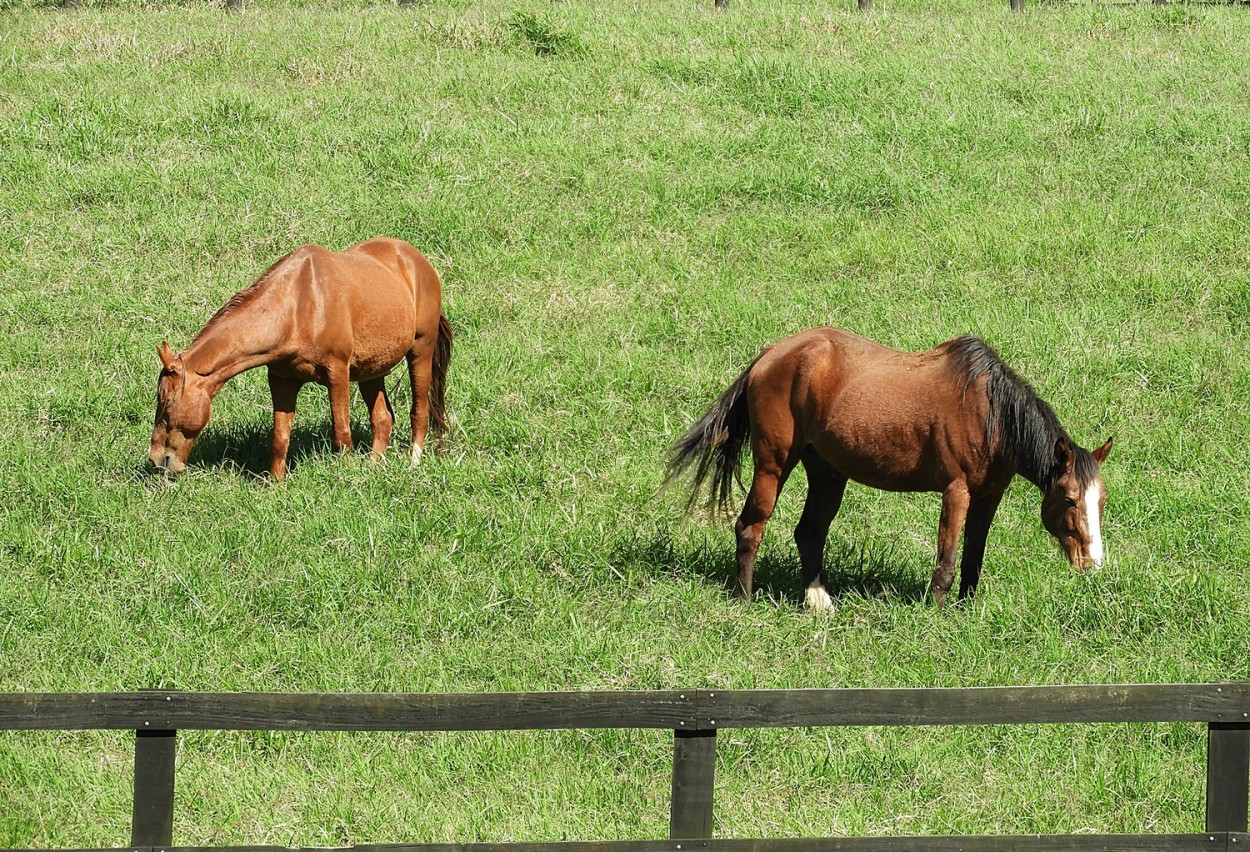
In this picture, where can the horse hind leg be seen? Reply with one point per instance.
(381, 414)
(825, 487)
(771, 471)
(420, 375)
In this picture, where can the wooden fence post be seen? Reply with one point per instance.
(152, 823)
(694, 777)
(1228, 775)
(865, 5)
(1017, 5)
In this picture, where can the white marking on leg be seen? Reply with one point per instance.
(1092, 495)
(817, 596)
(416, 454)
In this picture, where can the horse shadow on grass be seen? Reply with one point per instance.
(244, 447)
(850, 571)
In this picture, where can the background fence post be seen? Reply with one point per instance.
(152, 823)
(1228, 775)
(865, 5)
(1017, 5)
(694, 776)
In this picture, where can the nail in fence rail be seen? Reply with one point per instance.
(694, 716)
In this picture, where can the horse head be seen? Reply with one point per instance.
(183, 406)
(1072, 505)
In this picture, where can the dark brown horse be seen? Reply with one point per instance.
(955, 420)
(316, 316)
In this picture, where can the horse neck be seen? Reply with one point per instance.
(233, 342)
(1030, 446)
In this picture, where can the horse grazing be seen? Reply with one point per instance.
(316, 316)
(954, 419)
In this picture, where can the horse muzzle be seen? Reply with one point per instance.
(1078, 557)
(1084, 561)
(168, 462)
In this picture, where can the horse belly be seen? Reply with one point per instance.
(382, 334)
(885, 445)
(888, 471)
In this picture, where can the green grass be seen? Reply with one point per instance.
(626, 201)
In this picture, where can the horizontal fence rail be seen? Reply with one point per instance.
(274, 711)
(695, 709)
(694, 716)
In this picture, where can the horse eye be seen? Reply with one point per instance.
(1070, 502)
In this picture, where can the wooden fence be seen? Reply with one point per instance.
(694, 716)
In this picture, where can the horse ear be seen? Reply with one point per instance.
(1100, 454)
(1063, 453)
(167, 355)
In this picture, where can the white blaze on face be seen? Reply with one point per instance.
(1092, 496)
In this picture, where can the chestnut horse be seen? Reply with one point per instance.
(954, 419)
(316, 316)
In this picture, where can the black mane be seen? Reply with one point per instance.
(1020, 425)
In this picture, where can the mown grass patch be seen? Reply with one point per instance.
(622, 218)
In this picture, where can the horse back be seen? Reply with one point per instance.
(366, 304)
(889, 419)
(406, 263)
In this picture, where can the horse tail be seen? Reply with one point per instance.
(438, 379)
(713, 446)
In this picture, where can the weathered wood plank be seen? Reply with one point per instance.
(1228, 776)
(994, 843)
(1223, 703)
(694, 781)
(998, 705)
(152, 819)
(344, 712)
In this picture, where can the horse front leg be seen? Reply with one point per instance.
(976, 530)
(825, 487)
(381, 415)
(338, 382)
(284, 393)
(955, 500)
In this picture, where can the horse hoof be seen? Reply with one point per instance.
(817, 597)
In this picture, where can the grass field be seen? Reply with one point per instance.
(626, 201)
